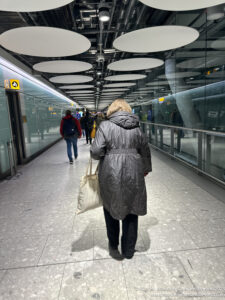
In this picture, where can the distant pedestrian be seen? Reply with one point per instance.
(88, 125)
(82, 125)
(125, 159)
(70, 130)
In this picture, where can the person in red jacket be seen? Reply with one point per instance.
(70, 130)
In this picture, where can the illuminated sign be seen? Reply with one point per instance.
(12, 84)
(161, 99)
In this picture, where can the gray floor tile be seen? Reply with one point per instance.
(206, 268)
(40, 283)
(52, 223)
(100, 279)
(68, 248)
(166, 236)
(21, 252)
(91, 220)
(156, 275)
(2, 274)
(206, 233)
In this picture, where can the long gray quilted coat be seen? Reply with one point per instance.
(124, 157)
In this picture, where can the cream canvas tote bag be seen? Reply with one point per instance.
(89, 193)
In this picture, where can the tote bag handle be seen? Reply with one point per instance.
(90, 167)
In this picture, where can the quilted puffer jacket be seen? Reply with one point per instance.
(125, 157)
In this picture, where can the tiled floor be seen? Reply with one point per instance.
(49, 253)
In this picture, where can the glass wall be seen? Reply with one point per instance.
(188, 91)
(5, 134)
(41, 112)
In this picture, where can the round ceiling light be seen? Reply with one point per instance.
(62, 66)
(135, 64)
(155, 39)
(155, 83)
(201, 62)
(29, 6)
(125, 77)
(81, 92)
(181, 5)
(71, 79)
(178, 75)
(115, 90)
(119, 84)
(46, 41)
(76, 87)
(219, 44)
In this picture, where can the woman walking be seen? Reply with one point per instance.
(125, 159)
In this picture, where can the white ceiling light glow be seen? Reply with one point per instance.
(181, 5)
(125, 77)
(76, 87)
(178, 75)
(135, 64)
(62, 66)
(115, 90)
(81, 92)
(119, 84)
(71, 79)
(46, 41)
(31, 5)
(156, 39)
(219, 44)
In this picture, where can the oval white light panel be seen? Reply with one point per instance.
(115, 90)
(31, 5)
(71, 79)
(201, 62)
(155, 83)
(62, 66)
(81, 92)
(135, 64)
(46, 41)
(119, 84)
(181, 5)
(156, 39)
(77, 87)
(178, 75)
(219, 44)
(125, 77)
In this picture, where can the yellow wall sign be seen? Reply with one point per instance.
(161, 99)
(15, 84)
(12, 84)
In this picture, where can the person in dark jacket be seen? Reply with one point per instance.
(125, 159)
(88, 122)
(70, 130)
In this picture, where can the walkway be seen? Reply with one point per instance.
(46, 252)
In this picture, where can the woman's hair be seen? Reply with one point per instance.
(118, 105)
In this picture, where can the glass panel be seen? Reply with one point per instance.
(186, 145)
(215, 156)
(166, 139)
(5, 133)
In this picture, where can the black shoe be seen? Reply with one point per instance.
(114, 253)
(129, 255)
(71, 161)
(76, 156)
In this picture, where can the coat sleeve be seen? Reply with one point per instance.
(145, 154)
(98, 148)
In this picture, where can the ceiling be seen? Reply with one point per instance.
(81, 17)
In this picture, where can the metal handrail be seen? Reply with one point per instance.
(217, 133)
